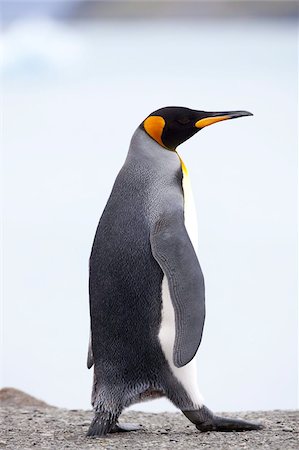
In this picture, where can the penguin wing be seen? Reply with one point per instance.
(174, 252)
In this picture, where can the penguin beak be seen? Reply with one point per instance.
(213, 117)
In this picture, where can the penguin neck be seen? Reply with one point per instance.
(143, 147)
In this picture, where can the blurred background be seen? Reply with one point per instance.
(77, 77)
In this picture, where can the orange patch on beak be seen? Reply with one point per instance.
(210, 120)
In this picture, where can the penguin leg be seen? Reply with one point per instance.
(206, 420)
(102, 424)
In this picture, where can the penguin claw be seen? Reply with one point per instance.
(125, 427)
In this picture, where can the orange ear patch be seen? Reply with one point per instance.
(154, 125)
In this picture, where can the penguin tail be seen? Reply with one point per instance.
(102, 424)
(205, 420)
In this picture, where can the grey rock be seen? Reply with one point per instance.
(57, 429)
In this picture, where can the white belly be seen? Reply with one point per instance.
(187, 375)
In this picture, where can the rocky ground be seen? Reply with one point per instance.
(28, 423)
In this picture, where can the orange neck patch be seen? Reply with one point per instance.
(184, 168)
(154, 126)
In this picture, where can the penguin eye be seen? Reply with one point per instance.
(184, 120)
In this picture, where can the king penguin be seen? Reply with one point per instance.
(147, 293)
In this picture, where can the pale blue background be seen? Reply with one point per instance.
(72, 95)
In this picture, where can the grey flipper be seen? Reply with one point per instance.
(89, 354)
(173, 250)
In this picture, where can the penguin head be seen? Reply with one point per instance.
(173, 125)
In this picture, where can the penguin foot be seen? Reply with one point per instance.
(226, 424)
(124, 427)
(205, 420)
